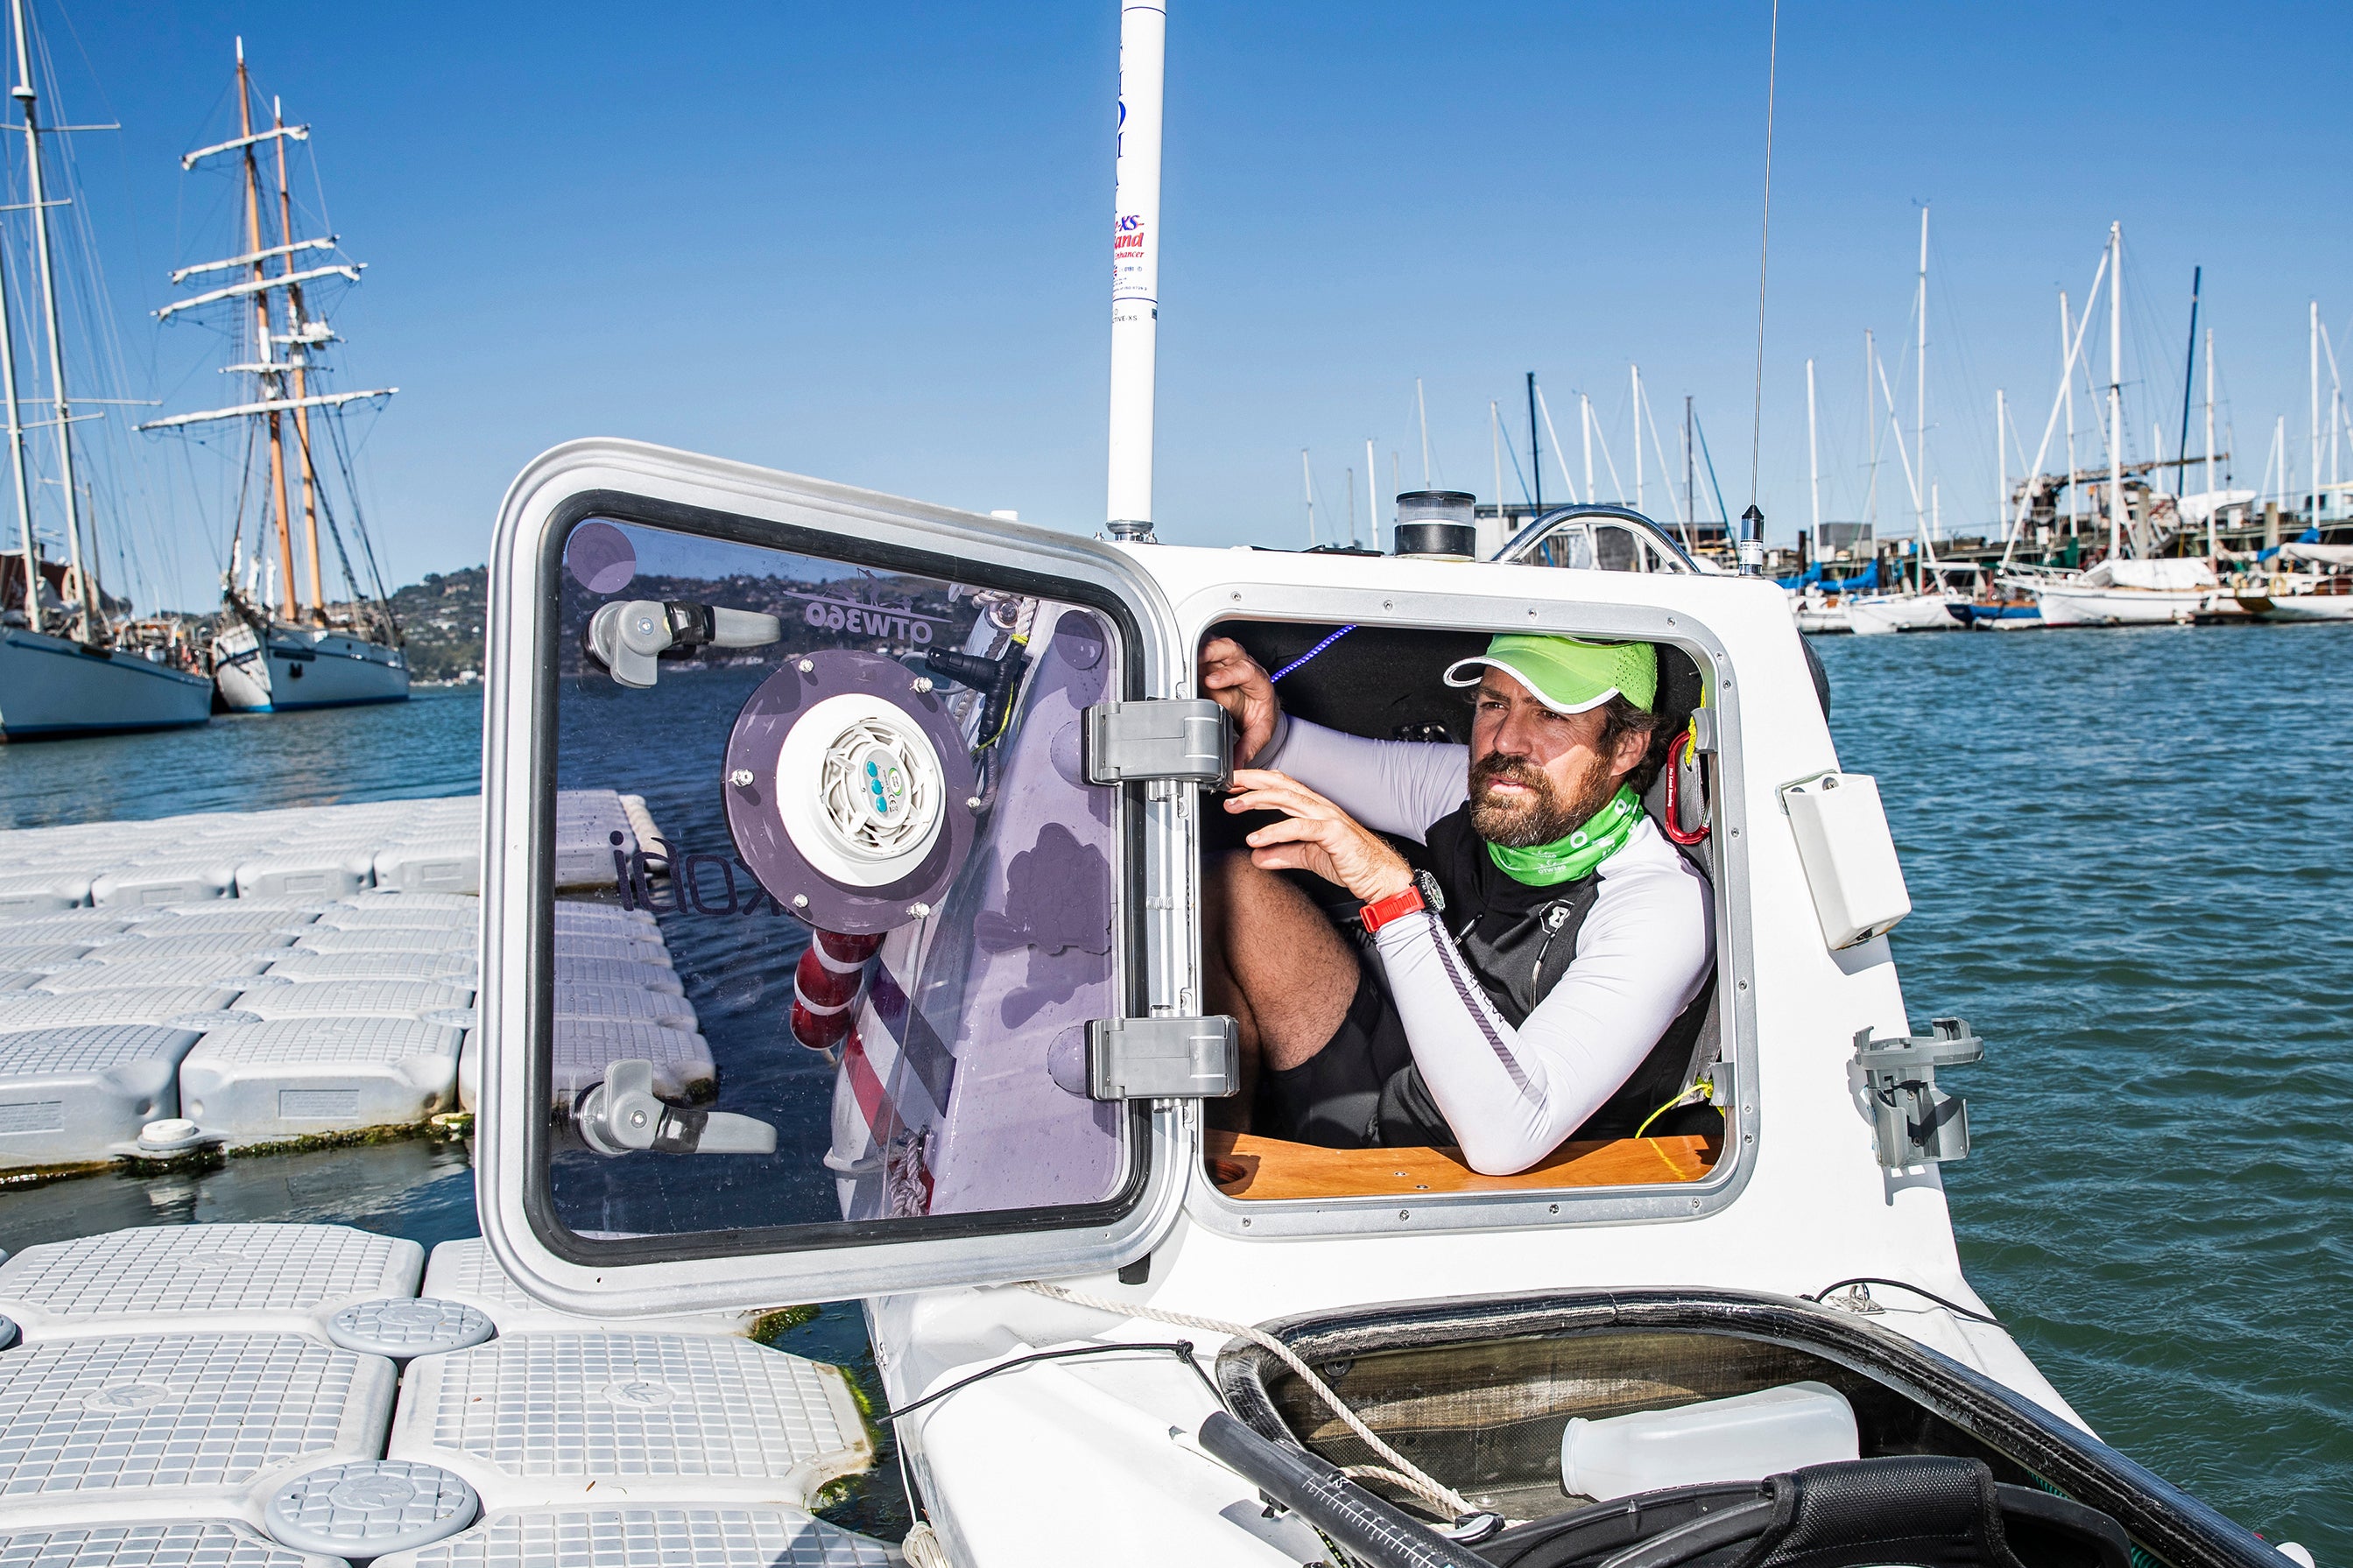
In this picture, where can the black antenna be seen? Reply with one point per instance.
(1536, 450)
(2189, 380)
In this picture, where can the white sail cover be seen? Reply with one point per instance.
(2164, 576)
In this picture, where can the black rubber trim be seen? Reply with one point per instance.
(2167, 1522)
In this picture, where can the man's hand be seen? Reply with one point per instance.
(1235, 683)
(1316, 836)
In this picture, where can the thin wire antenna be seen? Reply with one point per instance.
(1763, 252)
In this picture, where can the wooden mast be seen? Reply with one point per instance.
(268, 374)
(299, 351)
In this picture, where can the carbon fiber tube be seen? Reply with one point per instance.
(1361, 1524)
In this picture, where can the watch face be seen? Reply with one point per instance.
(1432, 899)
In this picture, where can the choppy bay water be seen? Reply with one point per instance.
(2128, 858)
(2127, 851)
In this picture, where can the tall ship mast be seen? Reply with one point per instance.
(73, 660)
(283, 643)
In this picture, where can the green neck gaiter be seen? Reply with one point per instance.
(1567, 859)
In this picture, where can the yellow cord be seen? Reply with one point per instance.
(1705, 1090)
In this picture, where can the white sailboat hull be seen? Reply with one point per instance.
(2299, 607)
(2072, 606)
(52, 686)
(304, 667)
(1880, 615)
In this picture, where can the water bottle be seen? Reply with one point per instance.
(1744, 1438)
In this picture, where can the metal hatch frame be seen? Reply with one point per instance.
(1478, 601)
(826, 1261)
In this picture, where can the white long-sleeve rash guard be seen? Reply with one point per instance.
(1643, 952)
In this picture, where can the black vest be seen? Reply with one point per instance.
(1518, 941)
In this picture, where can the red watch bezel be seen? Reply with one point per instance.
(1402, 902)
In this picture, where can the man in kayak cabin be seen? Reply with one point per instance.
(1546, 977)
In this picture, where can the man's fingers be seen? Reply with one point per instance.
(1294, 829)
(1290, 803)
(1269, 779)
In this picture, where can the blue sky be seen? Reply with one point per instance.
(869, 243)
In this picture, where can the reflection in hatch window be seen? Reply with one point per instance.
(830, 877)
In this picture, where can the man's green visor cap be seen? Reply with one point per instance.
(1568, 676)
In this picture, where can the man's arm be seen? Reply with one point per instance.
(1390, 786)
(1511, 1095)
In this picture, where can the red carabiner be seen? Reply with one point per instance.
(1679, 747)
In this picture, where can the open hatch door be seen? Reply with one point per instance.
(813, 708)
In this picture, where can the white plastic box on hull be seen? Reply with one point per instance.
(53, 687)
(304, 667)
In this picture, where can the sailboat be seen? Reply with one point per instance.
(279, 649)
(72, 662)
(2132, 586)
(1927, 606)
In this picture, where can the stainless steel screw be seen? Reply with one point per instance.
(922, 683)
(800, 900)
(741, 778)
(805, 666)
(919, 911)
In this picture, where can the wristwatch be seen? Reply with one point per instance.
(1404, 902)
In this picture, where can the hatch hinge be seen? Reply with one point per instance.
(1163, 1059)
(1187, 739)
(1912, 1120)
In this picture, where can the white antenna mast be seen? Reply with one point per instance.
(2002, 464)
(1307, 484)
(1813, 455)
(1585, 411)
(1495, 443)
(2213, 500)
(1422, 410)
(1135, 266)
(1920, 393)
(1372, 488)
(2075, 490)
(2115, 388)
(1635, 372)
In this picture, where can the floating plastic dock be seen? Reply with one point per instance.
(281, 975)
(187, 1397)
(561, 1419)
(302, 852)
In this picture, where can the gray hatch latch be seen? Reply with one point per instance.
(1187, 739)
(623, 1115)
(1164, 1059)
(1913, 1122)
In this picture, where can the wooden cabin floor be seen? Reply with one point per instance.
(1247, 1166)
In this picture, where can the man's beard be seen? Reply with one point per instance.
(1544, 815)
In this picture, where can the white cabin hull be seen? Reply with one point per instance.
(53, 686)
(304, 667)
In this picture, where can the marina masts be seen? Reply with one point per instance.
(2115, 388)
(1920, 396)
(17, 474)
(281, 381)
(266, 370)
(61, 412)
(296, 345)
(2188, 381)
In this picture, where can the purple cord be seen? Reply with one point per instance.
(1311, 653)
